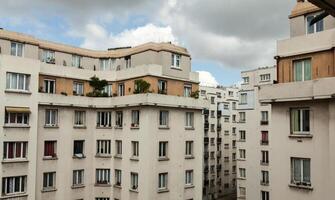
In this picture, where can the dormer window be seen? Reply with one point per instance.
(314, 28)
(175, 60)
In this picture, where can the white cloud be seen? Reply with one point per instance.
(207, 79)
(96, 37)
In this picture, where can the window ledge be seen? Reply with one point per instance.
(300, 186)
(163, 127)
(117, 186)
(240, 159)
(132, 190)
(118, 156)
(50, 158)
(265, 184)
(300, 136)
(17, 91)
(240, 178)
(189, 157)
(77, 186)
(104, 127)
(240, 140)
(163, 159)
(189, 186)
(118, 127)
(102, 185)
(79, 127)
(134, 127)
(15, 126)
(48, 126)
(177, 68)
(134, 158)
(189, 128)
(15, 195)
(48, 190)
(103, 156)
(14, 161)
(78, 157)
(163, 190)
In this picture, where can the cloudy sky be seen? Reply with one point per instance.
(223, 36)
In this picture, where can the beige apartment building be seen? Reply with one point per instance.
(219, 142)
(64, 136)
(303, 109)
(254, 147)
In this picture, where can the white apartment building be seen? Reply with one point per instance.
(303, 109)
(254, 147)
(140, 137)
(220, 142)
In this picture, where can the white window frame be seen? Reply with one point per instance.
(103, 147)
(189, 148)
(79, 118)
(120, 89)
(314, 25)
(78, 88)
(49, 86)
(175, 60)
(102, 176)
(104, 119)
(245, 80)
(79, 155)
(105, 64)
(189, 177)
(187, 90)
(24, 116)
(301, 124)
(242, 153)
(51, 184)
(163, 181)
(118, 147)
(76, 61)
(163, 147)
(48, 56)
(22, 145)
(51, 117)
(135, 148)
(118, 177)
(16, 49)
(189, 119)
(135, 118)
(9, 185)
(108, 90)
(134, 181)
(13, 81)
(242, 172)
(244, 98)
(119, 119)
(164, 118)
(302, 171)
(78, 177)
(265, 77)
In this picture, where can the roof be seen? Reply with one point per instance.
(303, 7)
(112, 53)
(327, 5)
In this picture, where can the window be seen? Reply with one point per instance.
(103, 147)
(51, 117)
(76, 61)
(242, 135)
(242, 191)
(108, 90)
(245, 80)
(49, 180)
(202, 92)
(135, 118)
(14, 118)
(162, 181)
(104, 64)
(14, 184)
(135, 148)
(243, 98)
(15, 150)
(212, 100)
(16, 81)
(120, 89)
(242, 153)
(226, 119)
(265, 157)
(163, 118)
(50, 149)
(317, 27)
(230, 93)
(102, 176)
(265, 77)
(49, 86)
(300, 121)
(118, 177)
(302, 70)
(79, 118)
(187, 90)
(212, 113)
(78, 88)
(265, 195)
(212, 141)
(78, 148)
(212, 127)
(48, 56)
(226, 106)
(189, 148)
(162, 87)
(265, 116)
(16, 49)
(233, 144)
(78, 177)
(233, 118)
(163, 150)
(189, 177)
(234, 105)
(128, 61)
(265, 137)
(189, 121)
(233, 130)
(265, 177)
(104, 119)
(102, 198)
(175, 60)
(242, 117)
(242, 173)
(119, 119)
(118, 144)
(301, 171)
(133, 181)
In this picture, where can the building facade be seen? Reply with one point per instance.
(82, 124)
(303, 109)
(219, 142)
(253, 167)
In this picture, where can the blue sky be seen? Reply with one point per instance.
(217, 33)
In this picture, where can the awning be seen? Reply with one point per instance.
(17, 109)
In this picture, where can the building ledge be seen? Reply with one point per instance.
(16, 126)
(103, 156)
(14, 161)
(163, 159)
(189, 186)
(118, 156)
(300, 187)
(163, 190)
(48, 190)
(102, 185)
(133, 190)
(300, 136)
(77, 186)
(17, 91)
(14, 196)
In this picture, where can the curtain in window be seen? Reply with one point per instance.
(307, 70)
(298, 71)
(306, 170)
(296, 170)
(18, 150)
(264, 136)
(295, 119)
(11, 150)
(49, 149)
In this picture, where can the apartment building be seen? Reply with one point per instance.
(82, 124)
(303, 109)
(219, 142)
(253, 167)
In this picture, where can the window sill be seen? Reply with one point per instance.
(17, 91)
(13, 195)
(79, 156)
(134, 127)
(240, 178)
(15, 126)
(264, 164)
(163, 159)
(163, 190)
(300, 187)
(79, 127)
(14, 161)
(190, 128)
(50, 158)
(48, 126)
(118, 127)
(102, 185)
(77, 186)
(177, 68)
(103, 156)
(240, 159)
(104, 127)
(240, 140)
(163, 127)
(134, 158)
(189, 157)
(265, 184)
(48, 190)
(308, 136)
(189, 186)
(118, 156)
(133, 190)
(117, 186)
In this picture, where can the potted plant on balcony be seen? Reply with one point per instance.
(195, 94)
(98, 87)
(141, 86)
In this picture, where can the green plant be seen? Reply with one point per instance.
(98, 87)
(141, 86)
(195, 94)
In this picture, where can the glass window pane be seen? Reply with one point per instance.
(298, 71)
(307, 70)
